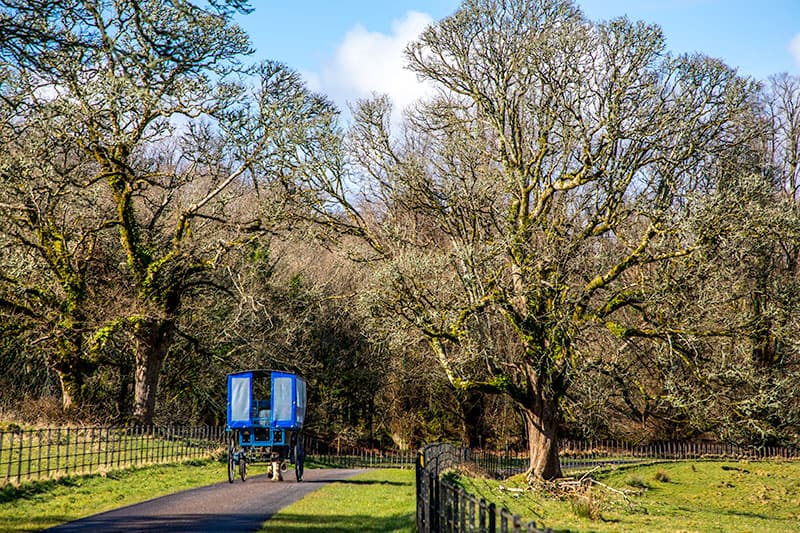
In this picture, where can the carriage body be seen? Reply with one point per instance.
(265, 415)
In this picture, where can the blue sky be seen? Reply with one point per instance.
(349, 48)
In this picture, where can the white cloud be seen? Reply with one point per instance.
(372, 62)
(794, 48)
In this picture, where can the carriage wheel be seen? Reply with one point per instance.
(243, 467)
(299, 457)
(231, 463)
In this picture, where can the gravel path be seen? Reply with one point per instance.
(215, 508)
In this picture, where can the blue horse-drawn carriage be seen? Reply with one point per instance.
(266, 411)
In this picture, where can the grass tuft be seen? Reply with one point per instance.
(663, 477)
(10, 427)
(585, 505)
(637, 482)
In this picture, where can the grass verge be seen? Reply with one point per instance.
(34, 506)
(380, 500)
(681, 496)
(376, 501)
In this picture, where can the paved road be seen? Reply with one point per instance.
(216, 508)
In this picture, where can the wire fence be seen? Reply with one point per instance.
(445, 506)
(585, 455)
(337, 455)
(56, 452)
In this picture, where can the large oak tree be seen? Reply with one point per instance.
(529, 205)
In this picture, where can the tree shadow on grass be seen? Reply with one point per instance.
(340, 523)
(34, 523)
(26, 490)
(749, 514)
(363, 482)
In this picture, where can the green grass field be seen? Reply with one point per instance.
(377, 501)
(675, 497)
(380, 500)
(669, 497)
(34, 506)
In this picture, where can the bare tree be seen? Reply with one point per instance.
(774, 243)
(53, 228)
(171, 136)
(535, 197)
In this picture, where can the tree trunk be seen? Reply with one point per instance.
(154, 340)
(72, 390)
(72, 373)
(542, 424)
(472, 404)
(125, 393)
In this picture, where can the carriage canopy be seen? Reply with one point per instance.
(266, 398)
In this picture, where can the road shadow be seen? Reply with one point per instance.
(182, 523)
